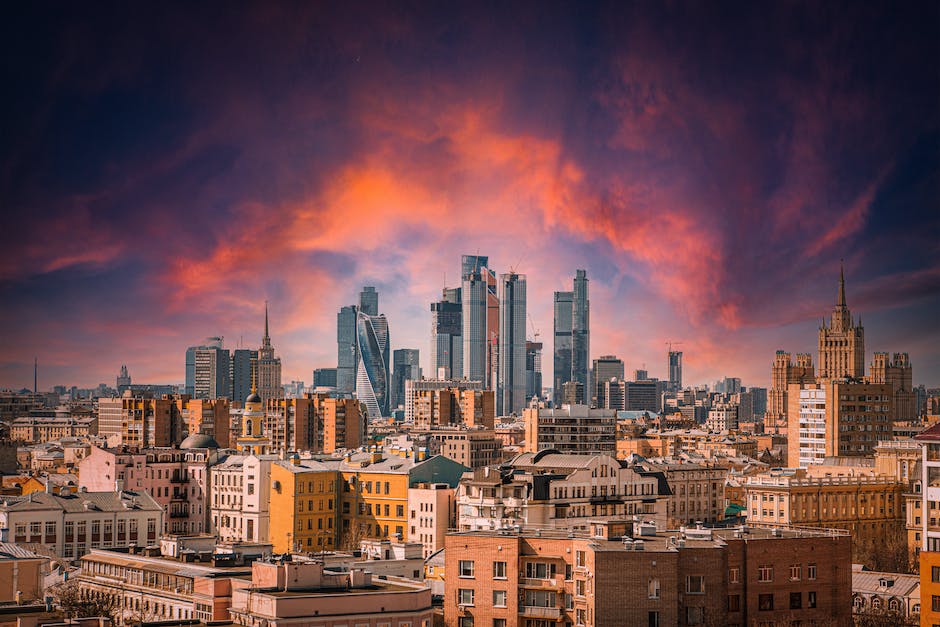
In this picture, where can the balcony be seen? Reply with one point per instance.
(551, 584)
(179, 496)
(533, 611)
(179, 514)
(179, 478)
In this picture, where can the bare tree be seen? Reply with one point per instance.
(888, 554)
(883, 617)
(72, 602)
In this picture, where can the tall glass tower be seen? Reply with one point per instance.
(510, 394)
(473, 314)
(562, 348)
(372, 374)
(581, 333)
(369, 301)
(447, 335)
(347, 349)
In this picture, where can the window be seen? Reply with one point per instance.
(579, 558)
(399, 510)
(466, 621)
(935, 574)
(251, 488)
(499, 570)
(579, 587)
(796, 600)
(499, 622)
(935, 603)
(539, 570)
(765, 602)
(695, 615)
(466, 568)
(499, 598)
(465, 596)
(734, 575)
(811, 599)
(811, 571)
(795, 572)
(580, 617)
(734, 602)
(653, 620)
(695, 584)
(765, 573)
(653, 588)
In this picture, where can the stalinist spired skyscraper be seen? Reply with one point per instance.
(269, 366)
(841, 342)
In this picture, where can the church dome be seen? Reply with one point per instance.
(253, 398)
(199, 440)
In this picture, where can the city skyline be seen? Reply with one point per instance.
(708, 180)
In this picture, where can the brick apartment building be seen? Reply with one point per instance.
(620, 574)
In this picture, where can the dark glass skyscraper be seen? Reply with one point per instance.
(474, 320)
(347, 349)
(510, 393)
(244, 363)
(372, 374)
(406, 367)
(533, 370)
(562, 348)
(447, 335)
(369, 301)
(581, 332)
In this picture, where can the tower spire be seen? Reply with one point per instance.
(266, 321)
(841, 302)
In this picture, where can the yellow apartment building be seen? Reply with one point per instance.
(303, 506)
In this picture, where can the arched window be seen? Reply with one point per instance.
(876, 602)
(894, 605)
(858, 602)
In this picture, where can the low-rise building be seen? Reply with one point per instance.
(432, 512)
(616, 573)
(151, 588)
(69, 525)
(696, 489)
(870, 507)
(304, 592)
(887, 595)
(240, 498)
(474, 448)
(48, 425)
(21, 574)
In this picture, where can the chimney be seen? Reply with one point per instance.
(295, 460)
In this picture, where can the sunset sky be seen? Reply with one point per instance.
(165, 168)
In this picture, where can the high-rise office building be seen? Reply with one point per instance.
(244, 372)
(372, 373)
(269, 367)
(533, 370)
(347, 349)
(581, 331)
(510, 394)
(211, 370)
(446, 335)
(605, 368)
(474, 320)
(841, 342)
(406, 367)
(209, 343)
(562, 347)
(369, 301)
(674, 366)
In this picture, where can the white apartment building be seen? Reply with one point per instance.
(240, 498)
(69, 525)
(812, 426)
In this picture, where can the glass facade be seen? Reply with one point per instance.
(347, 349)
(511, 388)
(372, 375)
(562, 348)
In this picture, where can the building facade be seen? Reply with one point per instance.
(571, 429)
(511, 389)
(446, 335)
(373, 377)
(841, 342)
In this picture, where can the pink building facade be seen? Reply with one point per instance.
(177, 479)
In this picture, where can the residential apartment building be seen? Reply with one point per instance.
(241, 495)
(177, 479)
(473, 448)
(68, 525)
(929, 558)
(696, 491)
(571, 429)
(140, 421)
(432, 512)
(870, 507)
(304, 502)
(50, 425)
(210, 417)
(837, 418)
(616, 574)
(552, 490)
(437, 402)
(22, 575)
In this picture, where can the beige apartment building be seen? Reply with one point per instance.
(432, 512)
(784, 373)
(696, 490)
(474, 448)
(870, 507)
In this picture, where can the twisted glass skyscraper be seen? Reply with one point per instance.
(372, 374)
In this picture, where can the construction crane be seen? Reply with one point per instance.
(535, 332)
(670, 344)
